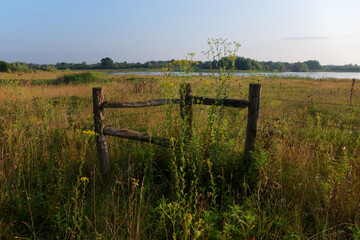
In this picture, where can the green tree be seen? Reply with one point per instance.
(279, 66)
(148, 65)
(4, 66)
(242, 63)
(107, 63)
(313, 65)
(300, 67)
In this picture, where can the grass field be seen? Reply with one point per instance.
(303, 183)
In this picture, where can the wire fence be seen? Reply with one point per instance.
(326, 125)
(78, 116)
(311, 102)
(304, 123)
(352, 127)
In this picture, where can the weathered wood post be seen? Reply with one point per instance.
(101, 144)
(186, 108)
(253, 117)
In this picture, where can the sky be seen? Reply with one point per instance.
(75, 31)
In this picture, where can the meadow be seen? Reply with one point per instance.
(303, 181)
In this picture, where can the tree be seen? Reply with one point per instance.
(148, 65)
(300, 67)
(107, 63)
(279, 66)
(313, 65)
(242, 63)
(4, 66)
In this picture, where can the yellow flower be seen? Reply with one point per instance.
(84, 179)
(171, 84)
(89, 132)
(207, 83)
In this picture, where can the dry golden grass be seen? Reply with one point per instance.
(36, 75)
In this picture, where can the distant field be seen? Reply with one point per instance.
(32, 76)
(304, 181)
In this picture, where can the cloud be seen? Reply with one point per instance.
(306, 38)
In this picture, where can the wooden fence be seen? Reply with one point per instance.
(186, 101)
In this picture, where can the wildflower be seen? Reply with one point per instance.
(88, 132)
(207, 83)
(199, 222)
(84, 179)
(171, 84)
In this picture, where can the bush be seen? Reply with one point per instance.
(51, 68)
(75, 78)
(19, 67)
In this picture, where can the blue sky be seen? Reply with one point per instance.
(43, 31)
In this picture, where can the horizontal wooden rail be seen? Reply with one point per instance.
(142, 137)
(151, 103)
(236, 103)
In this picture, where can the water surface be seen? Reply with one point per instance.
(314, 75)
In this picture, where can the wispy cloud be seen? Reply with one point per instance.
(306, 38)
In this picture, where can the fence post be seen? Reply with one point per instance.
(101, 144)
(186, 108)
(253, 117)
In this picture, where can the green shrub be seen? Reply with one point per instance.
(75, 78)
(19, 67)
(51, 68)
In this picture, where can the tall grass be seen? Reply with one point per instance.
(306, 169)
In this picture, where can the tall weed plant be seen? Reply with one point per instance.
(202, 158)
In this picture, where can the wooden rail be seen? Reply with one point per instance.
(142, 137)
(186, 101)
(151, 103)
(236, 103)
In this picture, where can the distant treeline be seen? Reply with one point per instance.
(241, 63)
